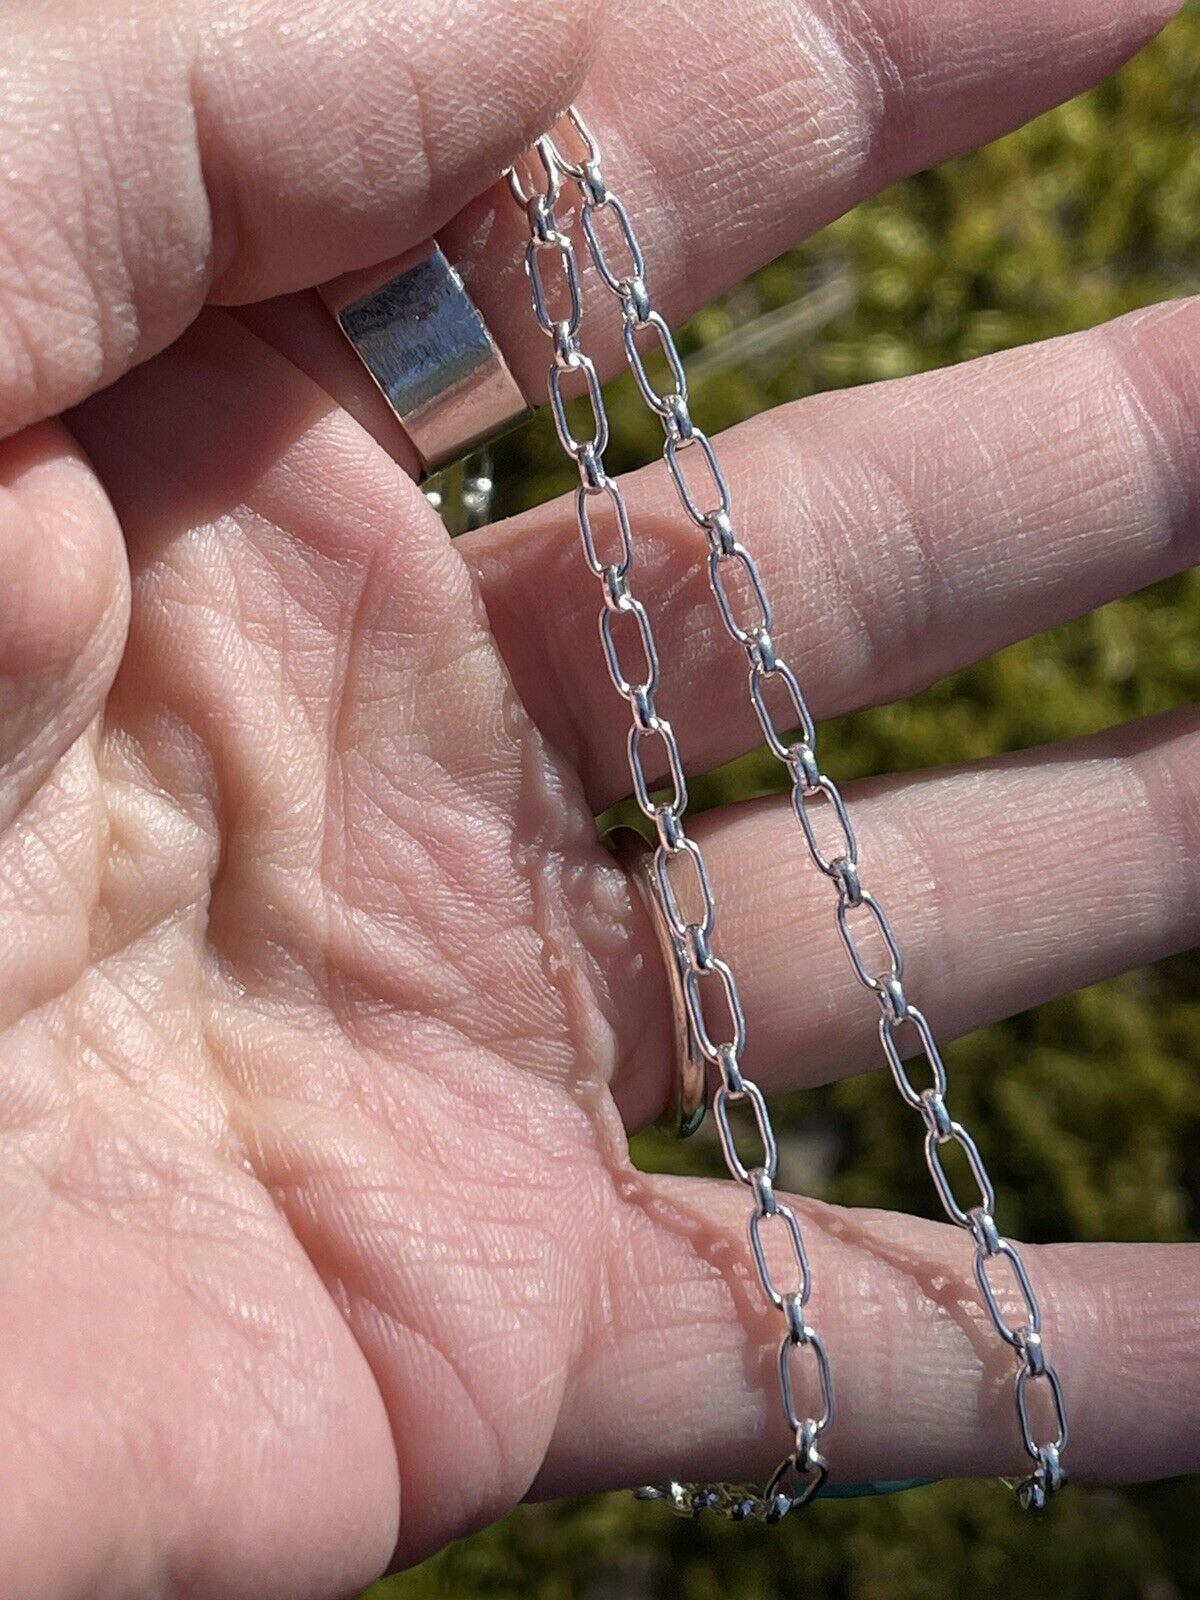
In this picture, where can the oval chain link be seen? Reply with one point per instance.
(709, 508)
(803, 1470)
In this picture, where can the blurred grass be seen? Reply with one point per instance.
(1089, 1107)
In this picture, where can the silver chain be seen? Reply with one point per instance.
(748, 621)
(803, 1470)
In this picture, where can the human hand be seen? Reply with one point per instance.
(325, 1016)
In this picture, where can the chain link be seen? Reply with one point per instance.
(720, 1024)
(748, 622)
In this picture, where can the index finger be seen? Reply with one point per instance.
(158, 157)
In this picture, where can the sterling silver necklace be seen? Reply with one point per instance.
(677, 873)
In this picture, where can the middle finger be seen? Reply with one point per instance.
(902, 531)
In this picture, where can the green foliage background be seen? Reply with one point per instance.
(1090, 1106)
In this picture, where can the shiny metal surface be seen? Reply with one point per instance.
(426, 345)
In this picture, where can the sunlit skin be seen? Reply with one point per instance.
(324, 1016)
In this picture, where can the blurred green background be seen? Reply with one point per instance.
(1089, 1108)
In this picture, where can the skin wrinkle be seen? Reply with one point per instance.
(1170, 802)
(425, 145)
(639, 150)
(534, 761)
(1139, 387)
(997, 469)
(36, 839)
(679, 183)
(101, 980)
(42, 634)
(423, 142)
(126, 315)
(845, 566)
(218, 808)
(929, 595)
(118, 314)
(472, 1513)
(422, 1000)
(115, 1185)
(923, 110)
(861, 36)
(383, 1362)
(866, 67)
(480, 1408)
(543, 798)
(29, 265)
(724, 1259)
(905, 563)
(104, 316)
(929, 891)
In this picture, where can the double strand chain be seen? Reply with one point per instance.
(727, 556)
(803, 1470)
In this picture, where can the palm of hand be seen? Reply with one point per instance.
(317, 1155)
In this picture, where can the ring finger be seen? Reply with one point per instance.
(979, 871)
